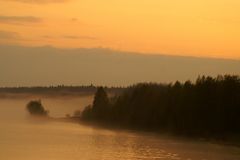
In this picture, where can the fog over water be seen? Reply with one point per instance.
(25, 138)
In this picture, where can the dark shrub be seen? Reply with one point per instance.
(36, 108)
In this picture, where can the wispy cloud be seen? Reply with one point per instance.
(37, 1)
(9, 35)
(79, 37)
(74, 19)
(19, 19)
(73, 37)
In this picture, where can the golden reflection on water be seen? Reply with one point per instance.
(25, 138)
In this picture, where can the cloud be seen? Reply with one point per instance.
(25, 66)
(70, 37)
(37, 1)
(79, 37)
(9, 35)
(74, 19)
(19, 19)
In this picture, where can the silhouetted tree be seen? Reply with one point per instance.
(100, 103)
(87, 113)
(36, 108)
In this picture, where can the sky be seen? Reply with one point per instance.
(199, 28)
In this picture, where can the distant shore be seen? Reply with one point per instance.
(53, 91)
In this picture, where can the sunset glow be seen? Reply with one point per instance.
(194, 28)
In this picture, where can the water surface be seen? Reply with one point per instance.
(25, 138)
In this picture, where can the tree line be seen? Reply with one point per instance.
(58, 90)
(207, 106)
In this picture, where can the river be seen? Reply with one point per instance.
(25, 138)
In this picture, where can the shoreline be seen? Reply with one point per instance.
(228, 139)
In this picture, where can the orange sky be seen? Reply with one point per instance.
(177, 27)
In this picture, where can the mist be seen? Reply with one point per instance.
(14, 107)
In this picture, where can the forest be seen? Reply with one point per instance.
(208, 106)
